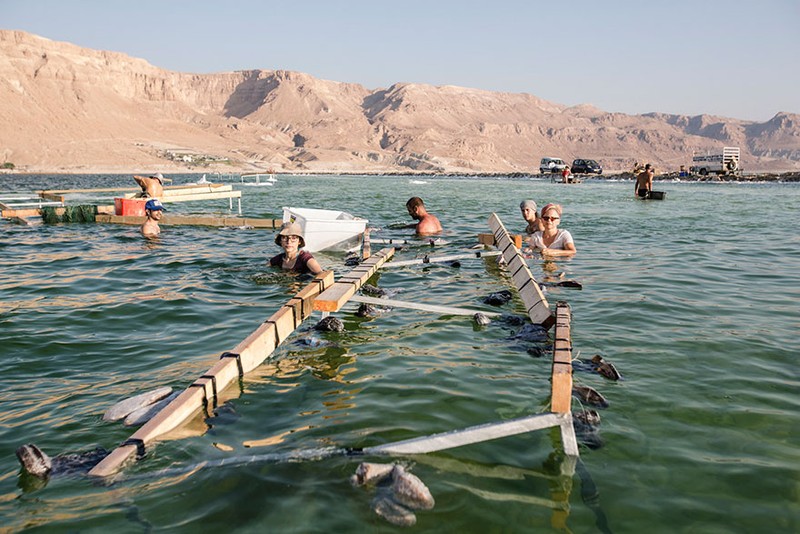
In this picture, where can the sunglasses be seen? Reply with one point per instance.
(289, 238)
(550, 218)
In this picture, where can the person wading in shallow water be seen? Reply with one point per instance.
(528, 209)
(428, 224)
(290, 238)
(552, 241)
(153, 210)
(644, 182)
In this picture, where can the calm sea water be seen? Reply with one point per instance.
(694, 299)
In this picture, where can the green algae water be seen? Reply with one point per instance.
(695, 299)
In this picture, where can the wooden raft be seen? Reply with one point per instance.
(333, 298)
(245, 357)
(527, 286)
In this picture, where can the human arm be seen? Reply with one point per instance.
(142, 181)
(313, 266)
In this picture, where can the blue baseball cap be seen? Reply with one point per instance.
(154, 204)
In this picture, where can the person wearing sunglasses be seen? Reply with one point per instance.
(551, 241)
(290, 239)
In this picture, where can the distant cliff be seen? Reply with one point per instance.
(66, 108)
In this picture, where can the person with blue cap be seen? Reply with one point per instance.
(153, 210)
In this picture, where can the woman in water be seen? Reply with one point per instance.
(290, 238)
(552, 241)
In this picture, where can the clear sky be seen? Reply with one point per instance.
(732, 58)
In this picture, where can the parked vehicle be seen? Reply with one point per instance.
(724, 162)
(586, 166)
(552, 165)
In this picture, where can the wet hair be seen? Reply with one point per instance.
(414, 202)
(647, 167)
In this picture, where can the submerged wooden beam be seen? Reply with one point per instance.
(468, 436)
(191, 220)
(527, 286)
(441, 259)
(246, 356)
(339, 293)
(444, 310)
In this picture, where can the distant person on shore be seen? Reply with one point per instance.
(152, 186)
(528, 209)
(551, 241)
(427, 223)
(565, 175)
(644, 182)
(290, 239)
(682, 172)
(153, 210)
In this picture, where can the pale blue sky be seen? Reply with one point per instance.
(731, 58)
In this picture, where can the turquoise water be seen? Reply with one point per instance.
(694, 299)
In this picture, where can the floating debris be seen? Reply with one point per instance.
(330, 324)
(499, 298)
(373, 291)
(606, 368)
(590, 396)
(481, 319)
(145, 413)
(586, 423)
(398, 492)
(125, 407)
(37, 463)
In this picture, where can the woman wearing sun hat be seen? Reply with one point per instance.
(551, 241)
(290, 238)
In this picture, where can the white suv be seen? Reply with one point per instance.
(552, 165)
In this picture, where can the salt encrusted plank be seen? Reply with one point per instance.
(561, 396)
(527, 286)
(333, 298)
(251, 352)
(467, 436)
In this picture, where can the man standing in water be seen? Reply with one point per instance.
(153, 210)
(644, 182)
(152, 186)
(428, 224)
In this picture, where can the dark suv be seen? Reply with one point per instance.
(586, 166)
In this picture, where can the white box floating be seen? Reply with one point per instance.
(327, 229)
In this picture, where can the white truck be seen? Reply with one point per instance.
(724, 162)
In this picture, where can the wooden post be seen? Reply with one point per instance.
(366, 251)
(232, 365)
(561, 394)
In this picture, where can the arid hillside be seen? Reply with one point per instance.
(69, 109)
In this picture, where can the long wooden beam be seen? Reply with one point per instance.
(527, 286)
(561, 377)
(189, 197)
(440, 259)
(468, 436)
(191, 220)
(246, 356)
(444, 310)
(338, 294)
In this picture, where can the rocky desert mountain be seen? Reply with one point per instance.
(64, 108)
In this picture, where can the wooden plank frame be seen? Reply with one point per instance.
(191, 220)
(333, 298)
(531, 294)
(245, 357)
